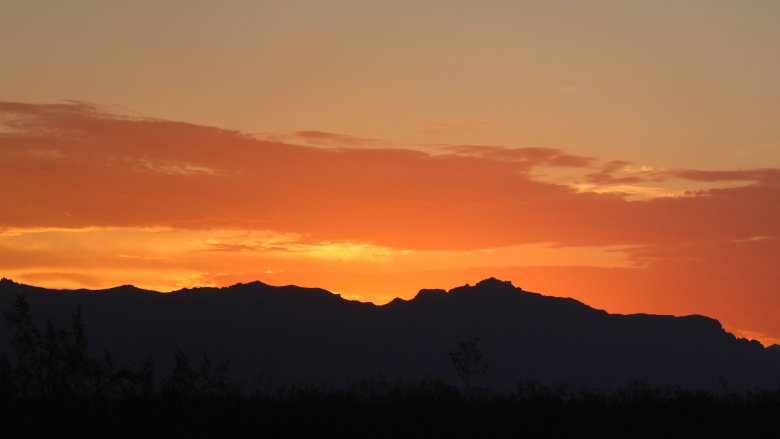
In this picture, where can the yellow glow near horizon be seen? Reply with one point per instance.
(167, 259)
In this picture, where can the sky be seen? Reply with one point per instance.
(626, 154)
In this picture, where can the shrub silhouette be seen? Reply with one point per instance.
(466, 358)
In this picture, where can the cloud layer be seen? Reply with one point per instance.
(74, 166)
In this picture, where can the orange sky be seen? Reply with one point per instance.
(94, 199)
(626, 154)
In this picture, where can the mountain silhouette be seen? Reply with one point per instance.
(292, 335)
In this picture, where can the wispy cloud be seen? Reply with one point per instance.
(325, 138)
(529, 156)
(173, 168)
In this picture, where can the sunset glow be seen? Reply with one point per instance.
(629, 158)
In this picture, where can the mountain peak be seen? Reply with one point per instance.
(6, 281)
(494, 283)
(490, 285)
(128, 289)
(253, 284)
(429, 294)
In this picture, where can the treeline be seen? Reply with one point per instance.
(52, 385)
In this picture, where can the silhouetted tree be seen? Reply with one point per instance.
(202, 381)
(54, 362)
(26, 342)
(466, 358)
(129, 383)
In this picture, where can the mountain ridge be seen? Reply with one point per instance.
(298, 334)
(493, 284)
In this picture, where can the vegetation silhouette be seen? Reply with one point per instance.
(466, 358)
(51, 386)
(53, 363)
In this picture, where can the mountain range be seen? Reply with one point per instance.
(290, 334)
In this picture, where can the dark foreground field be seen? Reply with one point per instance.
(53, 386)
(420, 410)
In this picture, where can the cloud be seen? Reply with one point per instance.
(763, 176)
(618, 186)
(323, 138)
(529, 157)
(472, 197)
(173, 168)
(623, 172)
